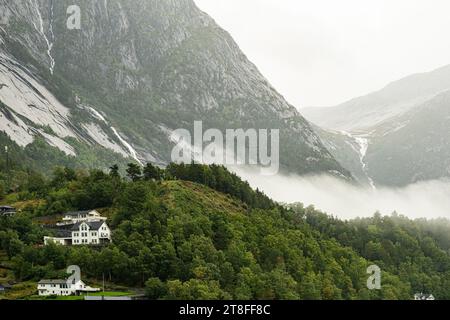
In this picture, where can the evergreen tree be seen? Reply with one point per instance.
(134, 172)
(152, 173)
(114, 171)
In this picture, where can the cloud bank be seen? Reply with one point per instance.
(429, 199)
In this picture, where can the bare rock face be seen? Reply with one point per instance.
(133, 72)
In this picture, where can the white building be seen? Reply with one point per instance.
(7, 211)
(80, 216)
(63, 288)
(81, 228)
(63, 237)
(82, 233)
(422, 296)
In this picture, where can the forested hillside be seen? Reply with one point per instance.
(200, 232)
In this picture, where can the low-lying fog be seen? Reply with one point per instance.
(430, 199)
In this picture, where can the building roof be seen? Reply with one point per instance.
(93, 225)
(5, 213)
(77, 213)
(61, 233)
(423, 296)
(6, 208)
(52, 282)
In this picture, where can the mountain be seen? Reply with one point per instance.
(349, 151)
(367, 112)
(133, 73)
(401, 130)
(413, 147)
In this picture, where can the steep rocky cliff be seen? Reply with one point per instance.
(133, 72)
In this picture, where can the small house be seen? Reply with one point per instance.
(86, 228)
(7, 211)
(63, 288)
(85, 233)
(81, 216)
(422, 296)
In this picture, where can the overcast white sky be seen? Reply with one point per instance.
(323, 52)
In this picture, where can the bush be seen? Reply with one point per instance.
(155, 289)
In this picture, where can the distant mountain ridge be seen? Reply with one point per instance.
(134, 72)
(406, 126)
(367, 112)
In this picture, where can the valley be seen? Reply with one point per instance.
(399, 126)
(107, 118)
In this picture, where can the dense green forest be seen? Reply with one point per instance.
(200, 232)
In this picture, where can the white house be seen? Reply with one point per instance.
(7, 211)
(63, 288)
(80, 216)
(82, 233)
(81, 228)
(422, 296)
(96, 232)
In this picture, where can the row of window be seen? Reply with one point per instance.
(54, 292)
(61, 286)
(84, 234)
(85, 228)
(84, 241)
